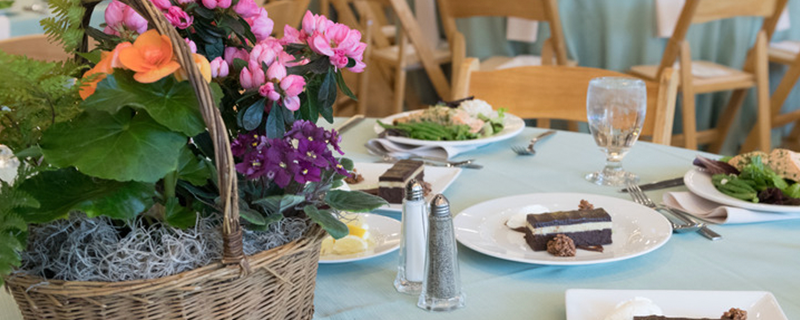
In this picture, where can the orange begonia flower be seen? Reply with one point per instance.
(108, 61)
(150, 56)
(202, 64)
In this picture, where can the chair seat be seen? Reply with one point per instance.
(783, 52)
(391, 55)
(706, 76)
(502, 62)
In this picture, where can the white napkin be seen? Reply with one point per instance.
(5, 27)
(399, 150)
(788, 45)
(518, 29)
(721, 214)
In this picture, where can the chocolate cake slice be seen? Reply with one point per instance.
(584, 227)
(392, 183)
(667, 318)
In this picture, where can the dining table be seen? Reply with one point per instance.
(751, 257)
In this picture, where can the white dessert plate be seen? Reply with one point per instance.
(636, 229)
(439, 177)
(384, 237)
(699, 183)
(513, 125)
(589, 304)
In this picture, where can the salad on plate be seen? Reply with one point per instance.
(758, 177)
(470, 119)
(5, 4)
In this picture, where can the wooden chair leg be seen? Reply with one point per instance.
(764, 120)
(399, 89)
(727, 118)
(688, 98)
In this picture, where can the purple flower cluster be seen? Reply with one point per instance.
(301, 155)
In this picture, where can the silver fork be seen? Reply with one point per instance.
(639, 197)
(529, 151)
(690, 223)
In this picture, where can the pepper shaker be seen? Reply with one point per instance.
(411, 268)
(441, 288)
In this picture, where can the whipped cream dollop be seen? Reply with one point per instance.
(637, 306)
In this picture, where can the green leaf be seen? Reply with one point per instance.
(61, 191)
(251, 118)
(91, 56)
(178, 216)
(343, 85)
(308, 106)
(32, 152)
(353, 201)
(170, 103)
(327, 92)
(114, 147)
(279, 203)
(275, 123)
(214, 49)
(192, 168)
(327, 221)
(252, 216)
(239, 64)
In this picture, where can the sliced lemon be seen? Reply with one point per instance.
(327, 245)
(349, 244)
(357, 231)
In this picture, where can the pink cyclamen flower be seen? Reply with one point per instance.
(186, 1)
(315, 23)
(120, 18)
(293, 85)
(247, 8)
(290, 87)
(268, 91)
(192, 45)
(162, 4)
(276, 71)
(266, 51)
(232, 53)
(340, 44)
(213, 4)
(179, 18)
(292, 35)
(251, 76)
(219, 68)
(260, 24)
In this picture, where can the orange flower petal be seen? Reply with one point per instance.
(131, 58)
(204, 66)
(150, 38)
(115, 63)
(156, 74)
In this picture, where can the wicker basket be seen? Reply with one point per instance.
(274, 284)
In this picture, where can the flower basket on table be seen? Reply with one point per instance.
(168, 186)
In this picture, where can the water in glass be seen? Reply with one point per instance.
(616, 108)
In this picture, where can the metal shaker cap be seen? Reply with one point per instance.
(440, 207)
(414, 190)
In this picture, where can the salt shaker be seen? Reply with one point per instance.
(414, 227)
(441, 288)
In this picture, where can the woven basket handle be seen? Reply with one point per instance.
(231, 230)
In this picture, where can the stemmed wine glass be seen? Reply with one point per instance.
(616, 108)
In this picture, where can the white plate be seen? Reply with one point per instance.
(384, 237)
(439, 177)
(512, 126)
(700, 184)
(636, 229)
(586, 304)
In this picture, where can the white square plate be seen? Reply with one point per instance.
(590, 304)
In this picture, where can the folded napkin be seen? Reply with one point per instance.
(669, 11)
(718, 213)
(524, 30)
(788, 45)
(5, 27)
(399, 150)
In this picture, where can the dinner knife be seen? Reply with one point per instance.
(659, 184)
(354, 120)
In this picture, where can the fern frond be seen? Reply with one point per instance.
(64, 27)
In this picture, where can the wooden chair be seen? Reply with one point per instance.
(35, 47)
(286, 12)
(779, 96)
(408, 51)
(753, 74)
(553, 51)
(559, 92)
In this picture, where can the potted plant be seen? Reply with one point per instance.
(128, 197)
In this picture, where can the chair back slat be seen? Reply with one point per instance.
(286, 12)
(712, 10)
(558, 92)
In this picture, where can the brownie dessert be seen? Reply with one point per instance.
(732, 314)
(584, 227)
(392, 183)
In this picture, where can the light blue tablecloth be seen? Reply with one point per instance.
(752, 257)
(24, 23)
